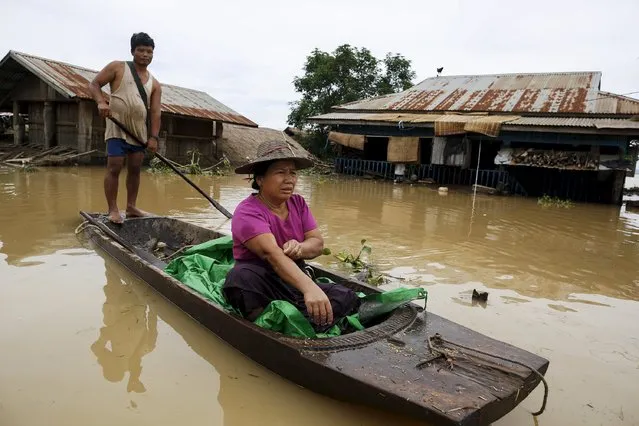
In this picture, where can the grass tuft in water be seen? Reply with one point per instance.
(548, 201)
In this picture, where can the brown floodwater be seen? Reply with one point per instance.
(85, 342)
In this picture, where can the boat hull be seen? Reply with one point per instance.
(382, 367)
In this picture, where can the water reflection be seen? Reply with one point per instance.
(248, 394)
(129, 332)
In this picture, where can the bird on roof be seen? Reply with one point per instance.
(439, 70)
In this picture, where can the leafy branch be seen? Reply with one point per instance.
(359, 264)
(345, 75)
(221, 168)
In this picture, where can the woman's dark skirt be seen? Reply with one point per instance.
(251, 285)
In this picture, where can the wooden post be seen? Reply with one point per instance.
(85, 126)
(617, 186)
(218, 131)
(595, 153)
(162, 143)
(168, 134)
(468, 152)
(18, 125)
(49, 124)
(214, 139)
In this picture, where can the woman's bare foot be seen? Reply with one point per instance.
(135, 212)
(115, 216)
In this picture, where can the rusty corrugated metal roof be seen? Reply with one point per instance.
(194, 103)
(427, 120)
(600, 123)
(71, 81)
(381, 118)
(564, 93)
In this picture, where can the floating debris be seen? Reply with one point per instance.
(27, 157)
(480, 295)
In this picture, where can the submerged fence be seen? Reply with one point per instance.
(444, 175)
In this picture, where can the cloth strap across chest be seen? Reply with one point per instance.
(143, 94)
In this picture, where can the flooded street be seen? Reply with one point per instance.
(85, 342)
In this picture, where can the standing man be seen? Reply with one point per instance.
(127, 81)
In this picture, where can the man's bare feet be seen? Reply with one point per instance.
(135, 212)
(115, 216)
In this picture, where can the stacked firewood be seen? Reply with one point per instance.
(556, 159)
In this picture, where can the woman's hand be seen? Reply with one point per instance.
(318, 306)
(293, 249)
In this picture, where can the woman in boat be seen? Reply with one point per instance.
(274, 232)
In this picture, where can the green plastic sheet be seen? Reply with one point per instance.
(203, 268)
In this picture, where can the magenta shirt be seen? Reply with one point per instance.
(252, 218)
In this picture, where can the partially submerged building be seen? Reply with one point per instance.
(51, 100)
(557, 134)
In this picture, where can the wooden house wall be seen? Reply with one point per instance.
(191, 127)
(67, 124)
(32, 89)
(179, 150)
(180, 135)
(35, 133)
(97, 132)
(183, 135)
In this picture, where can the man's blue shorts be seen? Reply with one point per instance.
(118, 147)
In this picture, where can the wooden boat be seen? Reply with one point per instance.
(412, 362)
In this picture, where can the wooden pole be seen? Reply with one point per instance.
(168, 163)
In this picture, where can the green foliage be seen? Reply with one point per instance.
(193, 168)
(547, 201)
(398, 75)
(315, 142)
(348, 74)
(360, 265)
(222, 168)
(356, 261)
(158, 167)
(28, 168)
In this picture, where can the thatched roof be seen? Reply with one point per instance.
(239, 142)
(294, 131)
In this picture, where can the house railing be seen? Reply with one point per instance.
(443, 175)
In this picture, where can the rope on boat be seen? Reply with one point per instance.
(437, 336)
(85, 225)
(81, 227)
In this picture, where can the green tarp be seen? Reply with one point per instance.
(204, 267)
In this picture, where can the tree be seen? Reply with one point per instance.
(346, 75)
